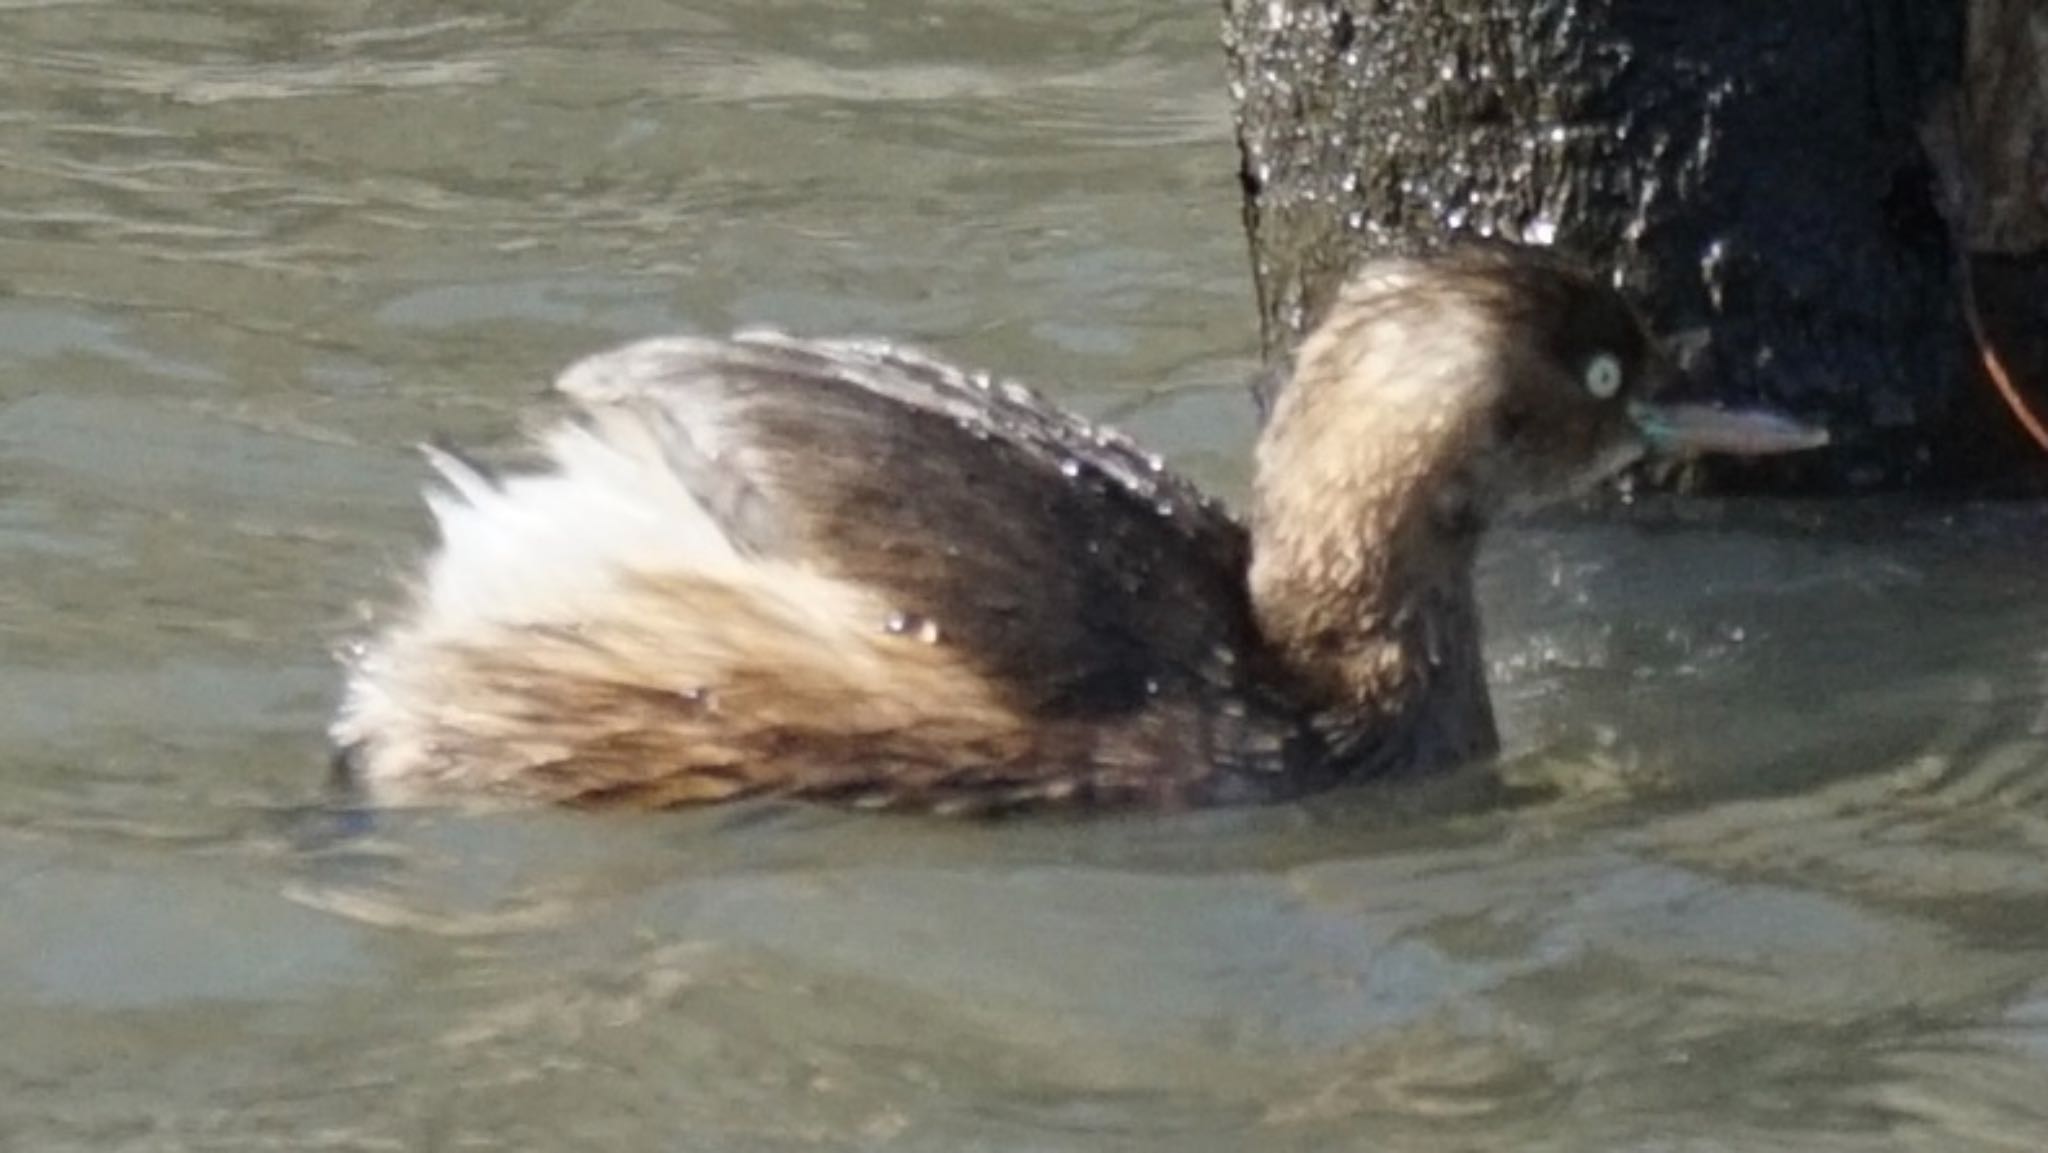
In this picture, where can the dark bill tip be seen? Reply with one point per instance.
(1679, 429)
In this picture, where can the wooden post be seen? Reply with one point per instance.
(1753, 171)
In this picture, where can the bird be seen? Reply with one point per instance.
(845, 571)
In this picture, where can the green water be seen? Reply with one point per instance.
(1775, 877)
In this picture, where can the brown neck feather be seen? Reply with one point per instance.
(1359, 604)
(1382, 636)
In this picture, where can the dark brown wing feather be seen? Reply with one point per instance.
(1079, 575)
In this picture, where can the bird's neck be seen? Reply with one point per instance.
(1378, 626)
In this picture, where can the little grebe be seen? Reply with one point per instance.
(844, 571)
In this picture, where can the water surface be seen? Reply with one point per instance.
(1769, 875)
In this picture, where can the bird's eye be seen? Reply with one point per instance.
(1603, 375)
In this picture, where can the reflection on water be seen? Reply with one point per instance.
(1769, 872)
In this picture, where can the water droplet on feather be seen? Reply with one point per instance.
(912, 625)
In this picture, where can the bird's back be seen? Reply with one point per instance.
(830, 569)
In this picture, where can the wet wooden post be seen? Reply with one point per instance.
(1991, 145)
(1754, 172)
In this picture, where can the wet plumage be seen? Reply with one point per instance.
(846, 571)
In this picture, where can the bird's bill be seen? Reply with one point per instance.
(1685, 429)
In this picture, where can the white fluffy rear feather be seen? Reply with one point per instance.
(569, 546)
(537, 544)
